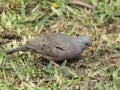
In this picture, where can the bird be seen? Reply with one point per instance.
(56, 46)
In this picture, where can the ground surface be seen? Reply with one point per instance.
(21, 20)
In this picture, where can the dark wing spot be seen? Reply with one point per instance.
(47, 55)
(42, 48)
(42, 39)
(60, 48)
(43, 44)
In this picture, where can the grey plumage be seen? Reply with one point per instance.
(56, 47)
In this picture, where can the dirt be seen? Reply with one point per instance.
(6, 37)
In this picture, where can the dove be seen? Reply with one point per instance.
(57, 47)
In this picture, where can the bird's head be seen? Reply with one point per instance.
(86, 42)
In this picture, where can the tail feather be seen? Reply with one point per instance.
(22, 48)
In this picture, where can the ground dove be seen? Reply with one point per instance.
(57, 47)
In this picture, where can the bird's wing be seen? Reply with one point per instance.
(38, 44)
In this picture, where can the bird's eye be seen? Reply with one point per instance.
(86, 44)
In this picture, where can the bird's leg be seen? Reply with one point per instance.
(65, 68)
(54, 63)
(53, 59)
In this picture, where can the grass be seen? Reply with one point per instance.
(30, 18)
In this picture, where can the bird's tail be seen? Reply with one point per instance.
(21, 48)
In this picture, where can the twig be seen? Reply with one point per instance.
(81, 3)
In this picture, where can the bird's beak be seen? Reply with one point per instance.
(90, 48)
